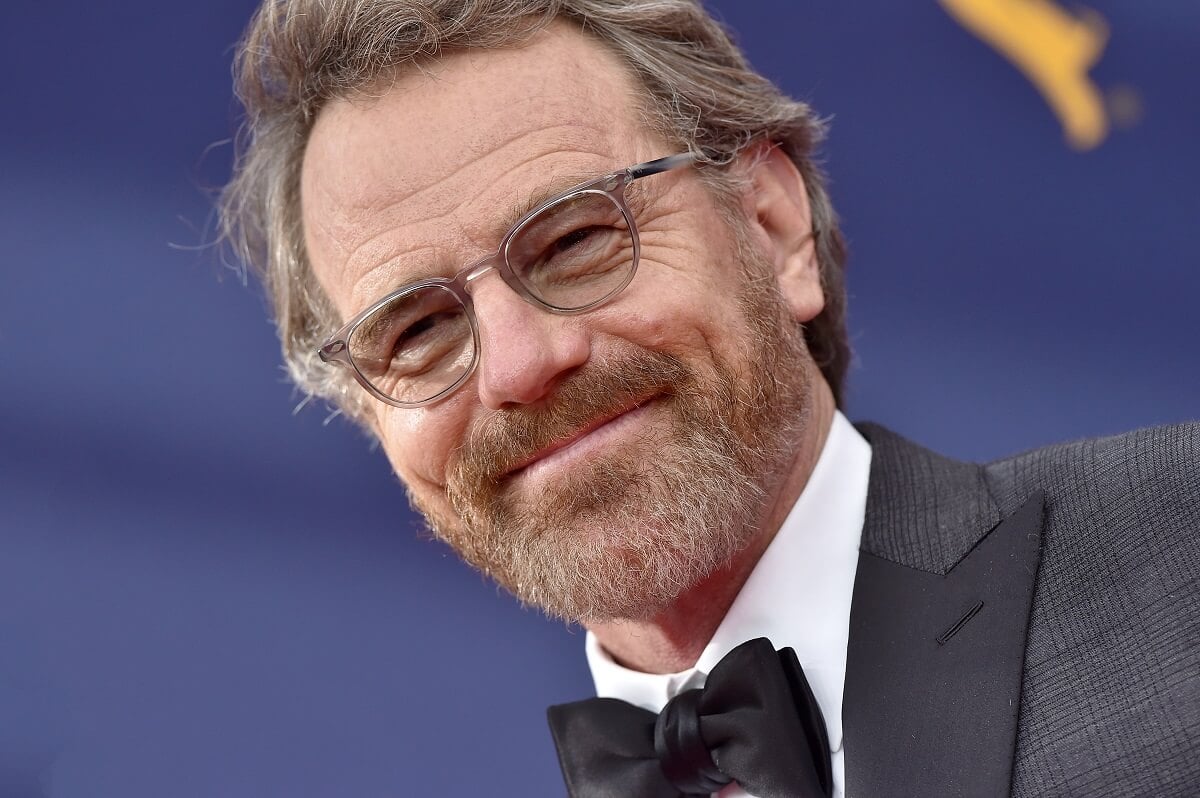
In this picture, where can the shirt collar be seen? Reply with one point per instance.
(798, 594)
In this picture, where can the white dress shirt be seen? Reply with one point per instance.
(798, 595)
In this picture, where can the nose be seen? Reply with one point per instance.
(524, 350)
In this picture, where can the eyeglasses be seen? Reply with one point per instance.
(570, 254)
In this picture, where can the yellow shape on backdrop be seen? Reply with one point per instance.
(1054, 49)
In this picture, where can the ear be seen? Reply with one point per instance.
(776, 206)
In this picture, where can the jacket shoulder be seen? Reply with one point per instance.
(1156, 467)
(1113, 626)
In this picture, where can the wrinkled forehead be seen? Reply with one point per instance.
(445, 150)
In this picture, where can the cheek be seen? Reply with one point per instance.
(680, 300)
(418, 444)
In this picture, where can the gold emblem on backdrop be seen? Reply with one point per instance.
(1054, 48)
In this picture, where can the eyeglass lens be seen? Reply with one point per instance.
(572, 254)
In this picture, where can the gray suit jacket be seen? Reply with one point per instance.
(1029, 627)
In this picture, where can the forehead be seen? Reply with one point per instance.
(413, 175)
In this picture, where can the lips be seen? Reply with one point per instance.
(566, 442)
(589, 409)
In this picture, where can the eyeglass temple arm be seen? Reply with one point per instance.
(661, 165)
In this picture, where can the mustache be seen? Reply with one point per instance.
(595, 392)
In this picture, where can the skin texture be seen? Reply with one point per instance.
(425, 172)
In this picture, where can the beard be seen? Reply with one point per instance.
(626, 533)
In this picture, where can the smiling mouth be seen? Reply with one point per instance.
(586, 438)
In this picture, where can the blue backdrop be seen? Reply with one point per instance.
(204, 594)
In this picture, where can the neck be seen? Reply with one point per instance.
(673, 640)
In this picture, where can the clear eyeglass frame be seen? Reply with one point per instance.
(337, 348)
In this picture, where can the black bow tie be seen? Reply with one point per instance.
(754, 722)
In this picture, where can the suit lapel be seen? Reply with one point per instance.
(937, 628)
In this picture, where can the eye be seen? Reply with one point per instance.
(575, 252)
(409, 334)
(428, 338)
(573, 239)
(414, 331)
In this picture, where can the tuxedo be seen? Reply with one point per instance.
(1029, 627)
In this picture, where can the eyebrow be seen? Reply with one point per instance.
(536, 196)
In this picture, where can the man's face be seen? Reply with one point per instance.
(596, 465)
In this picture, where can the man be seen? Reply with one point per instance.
(574, 266)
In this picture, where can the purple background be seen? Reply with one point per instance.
(204, 594)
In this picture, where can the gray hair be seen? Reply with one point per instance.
(298, 55)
